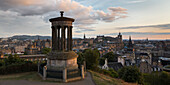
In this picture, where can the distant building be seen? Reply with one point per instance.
(113, 65)
(145, 67)
(31, 50)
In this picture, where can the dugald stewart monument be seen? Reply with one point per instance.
(62, 61)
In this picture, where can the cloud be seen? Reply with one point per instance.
(12, 24)
(31, 10)
(136, 1)
(28, 7)
(81, 29)
(84, 15)
(160, 26)
(141, 33)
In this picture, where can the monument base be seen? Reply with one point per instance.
(62, 66)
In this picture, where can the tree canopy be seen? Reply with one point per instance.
(111, 57)
(130, 74)
(91, 58)
(46, 50)
(80, 59)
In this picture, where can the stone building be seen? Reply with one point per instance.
(31, 49)
(114, 42)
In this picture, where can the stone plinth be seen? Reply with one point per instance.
(61, 60)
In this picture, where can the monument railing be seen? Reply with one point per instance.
(54, 74)
(41, 66)
(73, 73)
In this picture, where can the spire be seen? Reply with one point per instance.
(84, 36)
(130, 38)
(130, 42)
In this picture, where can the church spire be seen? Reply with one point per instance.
(130, 42)
(84, 36)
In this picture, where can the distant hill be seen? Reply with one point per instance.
(29, 37)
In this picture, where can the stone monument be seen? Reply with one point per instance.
(61, 57)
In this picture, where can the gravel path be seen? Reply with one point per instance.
(86, 81)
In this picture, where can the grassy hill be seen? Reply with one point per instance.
(101, 79)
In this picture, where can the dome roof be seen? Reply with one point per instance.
(61, 18)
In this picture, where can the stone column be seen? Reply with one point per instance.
(59, 43)
(53, 40)
(65, 75)
(38, 66)
(71, 37)
(68, 38)
(62, 38)
(44, 73)
(56, 38)
(82, 71)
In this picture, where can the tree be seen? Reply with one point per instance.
(13, 59)
(130, 74)
(80, 59)
(91, 58)
(157, 78)
(102, 61)
(2, 63)
(46, 50)
(111, 57)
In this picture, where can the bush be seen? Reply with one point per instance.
(18, 68)
(157, 78)
(46, 50)
(2, 63)
(91, 58)
(113, 73)
(130, 74)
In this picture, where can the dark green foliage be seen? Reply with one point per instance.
(80, 59)
(14, 64)
(13, 59)
(91, 58)
(130, 74)
(18, 68)
(2, 63)
(101, 61)
(157, 78)
(6, 55)
(113, 73)
(46, 50)
(111, 57)
(106, 72)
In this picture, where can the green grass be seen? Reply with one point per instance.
(32, 76)
(101, 79)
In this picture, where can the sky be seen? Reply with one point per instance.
(139, 19)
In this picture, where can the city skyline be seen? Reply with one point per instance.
(139, 18)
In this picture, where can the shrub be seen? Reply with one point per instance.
(91, 58)
(157, 78)
(18, 68)
(130, 74)
(113, 73)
